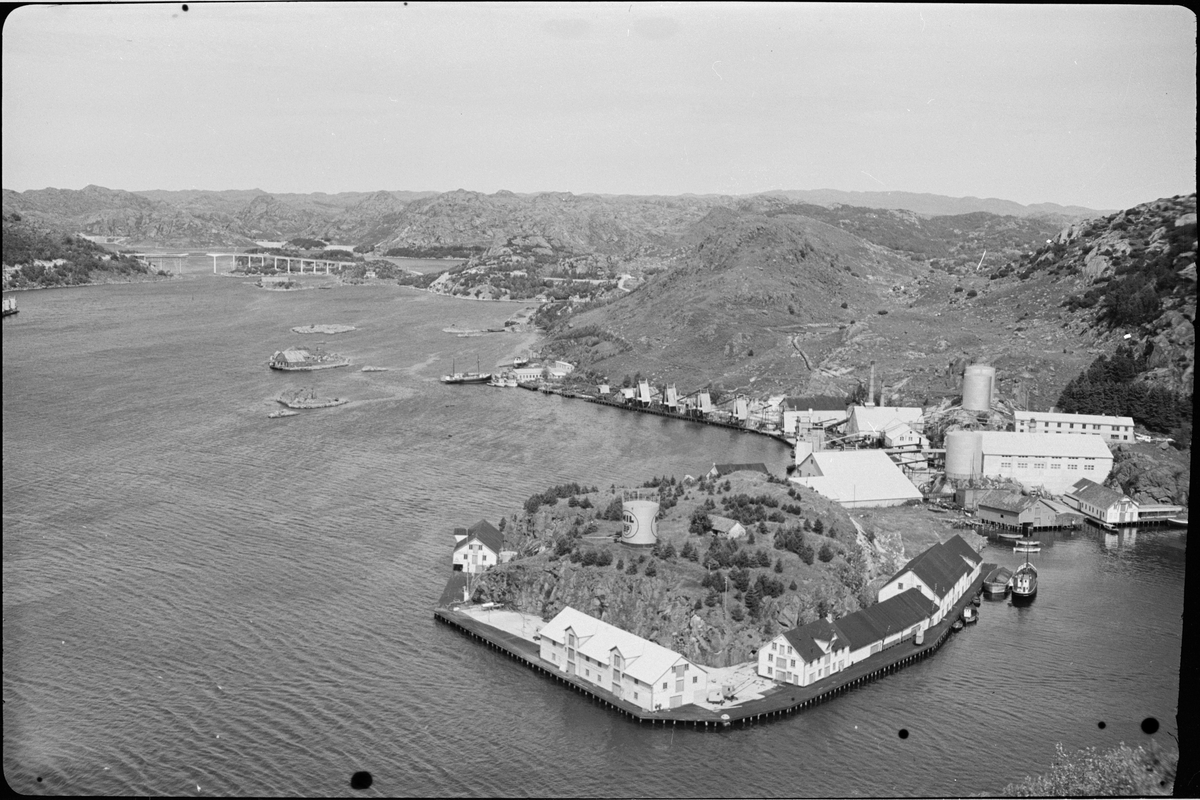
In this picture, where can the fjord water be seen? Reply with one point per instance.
(199, 599)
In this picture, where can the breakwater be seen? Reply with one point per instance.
(781, 701)
(657, 411)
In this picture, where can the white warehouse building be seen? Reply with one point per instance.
(629, 667)
(1045, 460)
(1115, 429)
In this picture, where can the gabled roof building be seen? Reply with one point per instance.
(477, 548)
(627, 666)
(855, 478)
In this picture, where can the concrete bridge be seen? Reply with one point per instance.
(317, 263)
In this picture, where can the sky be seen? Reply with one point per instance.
(1091, 105)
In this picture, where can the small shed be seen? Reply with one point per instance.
(724, 526)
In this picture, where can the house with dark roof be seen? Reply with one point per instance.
(820, 649)
(477, 548)
(1101, 503)
(942, 573)
(805, 654)
(1015, 510)
(726, 527)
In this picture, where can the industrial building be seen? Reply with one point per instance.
(1101, 504)
(917, 597)
(1032, 459)
(633, 669)
(942, 573)
(477, 548)
(874, 420)
(855, 478)
(1114, 429)
(1014, 510)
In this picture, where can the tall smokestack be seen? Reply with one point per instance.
(871, 389)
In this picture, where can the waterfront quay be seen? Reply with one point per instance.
(781, 701)
(657, 411)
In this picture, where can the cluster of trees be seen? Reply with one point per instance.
(555, 493)
(23, 244)
(793, 540)
(750, 510)
(1121, 772)
(436, 251)
(1108, 386)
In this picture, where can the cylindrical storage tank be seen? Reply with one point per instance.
(978, 384)
(640, 523)
(964, 454)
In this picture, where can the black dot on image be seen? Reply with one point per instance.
(185, 6)
(360, 780)
(1102, 726)
(1149, 725)
(904, 733)
(39, 778)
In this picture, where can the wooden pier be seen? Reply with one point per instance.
(782, 701)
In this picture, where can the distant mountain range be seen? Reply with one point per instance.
(585, 223)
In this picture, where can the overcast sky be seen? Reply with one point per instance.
(1074, 104)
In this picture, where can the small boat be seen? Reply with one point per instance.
(976, 601)
(374, 369)
(1027, 548)
(997, 581)
(283, 412)
(298, 400)
(957, 626)
(970, 614)
(1025, 581)
(1012, 537)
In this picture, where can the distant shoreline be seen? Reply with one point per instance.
(145, 279)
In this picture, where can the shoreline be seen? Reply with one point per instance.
(147, 279)
(779, 701)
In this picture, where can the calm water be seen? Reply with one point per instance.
(198, 599)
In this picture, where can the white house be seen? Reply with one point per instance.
(1101, 503)
(942, 574)
(1114, 429)
(629, 667)
(900, 434)
(855, 478)
(477, 548)
(805, 654)
(820, 649)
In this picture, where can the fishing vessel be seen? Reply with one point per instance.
(1025, 582)
(466, 377)
(10, 306)
(970, 614)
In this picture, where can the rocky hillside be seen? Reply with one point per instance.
(713, 600)
(35, 257)
(625, 225)
(940, 205)
(727, 310)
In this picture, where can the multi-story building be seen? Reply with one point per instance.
(629, 667)
(1043, 460)
(1114, 429)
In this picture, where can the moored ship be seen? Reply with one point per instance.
(1025, 582)
(466, 377)
(298, 359)
(10, 306)
(310, 400)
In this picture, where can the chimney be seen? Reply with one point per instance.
(871, 390)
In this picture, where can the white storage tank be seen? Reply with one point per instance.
(979, 384)
(640, 523)
(964, 454)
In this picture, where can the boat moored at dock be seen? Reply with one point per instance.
(1025, 582)
(998, 580)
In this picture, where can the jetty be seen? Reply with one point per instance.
(781, 701)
